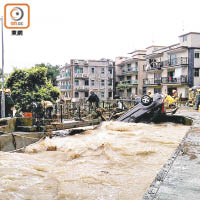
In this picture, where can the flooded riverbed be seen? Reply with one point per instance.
(114, 162)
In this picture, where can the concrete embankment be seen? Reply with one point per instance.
(179, 177)
(20, 132)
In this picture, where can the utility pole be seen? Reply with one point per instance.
(2, 71)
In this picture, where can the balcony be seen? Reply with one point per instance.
(65, 87)
(81, 76)
(168, 63)
(130, 70)
(155, 66)
(166, 80)
(152, 81)
(176, 62)
(81, 88)
(131, 82)
(61, 78)
(178, 80)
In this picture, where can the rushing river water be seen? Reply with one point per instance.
(117, 161)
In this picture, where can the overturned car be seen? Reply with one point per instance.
(147, 110)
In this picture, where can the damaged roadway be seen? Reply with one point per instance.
(179, 177)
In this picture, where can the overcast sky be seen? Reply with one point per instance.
(61, 30)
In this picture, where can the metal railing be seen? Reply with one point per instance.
(60, 78)
(166, 80)
(131, 82)
(167, 63)
(155, 66)
(64, 87)
(175, 80)
(130, 70)
(176, 61)
(81, 75)
(68, 110)
(81, 88)
(152, 81)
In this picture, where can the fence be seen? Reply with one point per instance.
(81, 110)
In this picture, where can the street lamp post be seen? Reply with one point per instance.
(2, 71)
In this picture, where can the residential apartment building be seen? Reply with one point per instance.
(130, 73)
(81, 76)
(173, 67)
(64, 80)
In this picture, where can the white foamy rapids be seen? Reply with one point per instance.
(115, 161)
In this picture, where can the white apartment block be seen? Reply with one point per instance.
(130, 74)
(159, 69)
(64, 81)
(173, 67)
(77, 79)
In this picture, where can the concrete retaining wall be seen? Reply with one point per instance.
(16, 140)
(179, 177)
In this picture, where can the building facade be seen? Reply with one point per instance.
(64, 80)
(173, 67)
(81, 76)
(159, 69)
(130, 73)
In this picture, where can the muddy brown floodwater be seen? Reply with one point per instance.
(117, 161)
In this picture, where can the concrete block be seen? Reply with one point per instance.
(6, 143)
(23, 121)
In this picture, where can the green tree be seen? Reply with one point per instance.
(52, 72)
(31, 85)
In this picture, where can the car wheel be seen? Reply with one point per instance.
(146, 100)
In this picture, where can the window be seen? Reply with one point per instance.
(196, 55)
(157, 90)
(92, 70)
(86, 82)
(102, 70)
(110, 82)
(76, 82)
(110, 94)
(102, 94)
(144, 90)
(136, 64)
(129, 90)
(172, 59)
(110, 70)
(128, 78)
(67, 74)
(128, 65)
(78, 70)
(136, 77)
(136, 91)
(92, 82)
(86, 94)
(76, 95)
(102, 82)
(184, 38)
(196, 72)
(68, 86)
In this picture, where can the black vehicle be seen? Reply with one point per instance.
(148, 109)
